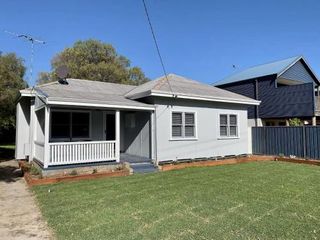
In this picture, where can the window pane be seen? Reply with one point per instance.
(60, 118)
(223, 131)
(176, 118)
(80, 131)
(233, 119)
(233, 131)
(189, 118)
(60, 124)
(60, 131)
(176, 131)
(189, 131)
(223, 119)
(80, 118)
(80, 125)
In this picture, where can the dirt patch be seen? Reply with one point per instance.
(205, 163)
(20, 216)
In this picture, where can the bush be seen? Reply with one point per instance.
(295, 122)
(73, 173)
(34, 170)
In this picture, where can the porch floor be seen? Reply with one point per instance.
(138, 164)
(125, 157)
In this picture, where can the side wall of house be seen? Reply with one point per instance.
(22, 128)
(286, 101)
(208, 142)
(277, 102)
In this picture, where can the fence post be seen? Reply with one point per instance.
(304, 141)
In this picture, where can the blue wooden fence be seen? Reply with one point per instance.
(298, 141)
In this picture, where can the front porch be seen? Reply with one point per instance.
(66, 137)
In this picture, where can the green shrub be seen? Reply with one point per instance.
(295, 122)
(34, 170)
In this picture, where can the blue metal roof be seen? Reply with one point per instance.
(260, 71)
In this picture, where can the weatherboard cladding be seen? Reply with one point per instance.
(297, 72)
(286, 101)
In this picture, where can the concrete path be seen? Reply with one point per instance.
(20, 217)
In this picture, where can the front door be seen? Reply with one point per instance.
(110, 127)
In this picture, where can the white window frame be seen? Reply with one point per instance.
(228, 126)
(183, 137)
(51, 139)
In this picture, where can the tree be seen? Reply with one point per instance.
(94, 60)
(12, 71)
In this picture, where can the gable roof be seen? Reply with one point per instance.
(273, 68)
(181, 87)
(88, 93)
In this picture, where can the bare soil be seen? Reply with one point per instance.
(20, 217)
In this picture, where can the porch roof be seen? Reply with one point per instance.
(89, 93)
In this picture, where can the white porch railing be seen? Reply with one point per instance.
(39, 151)
(82, 152)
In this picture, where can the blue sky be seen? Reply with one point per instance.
(198, 39)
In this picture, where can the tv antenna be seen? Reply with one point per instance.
(33, 41)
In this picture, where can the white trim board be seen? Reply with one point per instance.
(61, 103)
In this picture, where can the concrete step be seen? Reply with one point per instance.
(144, 167)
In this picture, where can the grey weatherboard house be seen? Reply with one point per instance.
(85, 121)
(287, 89)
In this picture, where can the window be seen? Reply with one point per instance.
(70, 125)
(228, 125)
(183, 125)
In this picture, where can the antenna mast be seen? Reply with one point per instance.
(32, 40)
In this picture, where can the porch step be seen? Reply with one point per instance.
(143, 167)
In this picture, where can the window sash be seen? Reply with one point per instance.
(72, 127)
(187, 125)
(228, 127)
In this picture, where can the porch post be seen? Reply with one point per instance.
(152, 136)
(32, 129)
(117, 136)
(46, 152)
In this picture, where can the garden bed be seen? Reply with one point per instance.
(33, 175)
(214, 162)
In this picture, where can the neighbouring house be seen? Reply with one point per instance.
(80, 121)
(287, 89)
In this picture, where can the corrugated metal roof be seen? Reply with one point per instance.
(179, 85)
(276, 67)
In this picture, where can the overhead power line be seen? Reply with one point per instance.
(156, 44)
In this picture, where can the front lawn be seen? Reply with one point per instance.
(260, 200)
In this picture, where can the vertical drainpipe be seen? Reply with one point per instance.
(257, 98)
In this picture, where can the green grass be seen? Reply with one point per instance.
(262, 200)
(8, 146)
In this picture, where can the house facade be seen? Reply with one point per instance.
(171, 118)
(287, 89)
